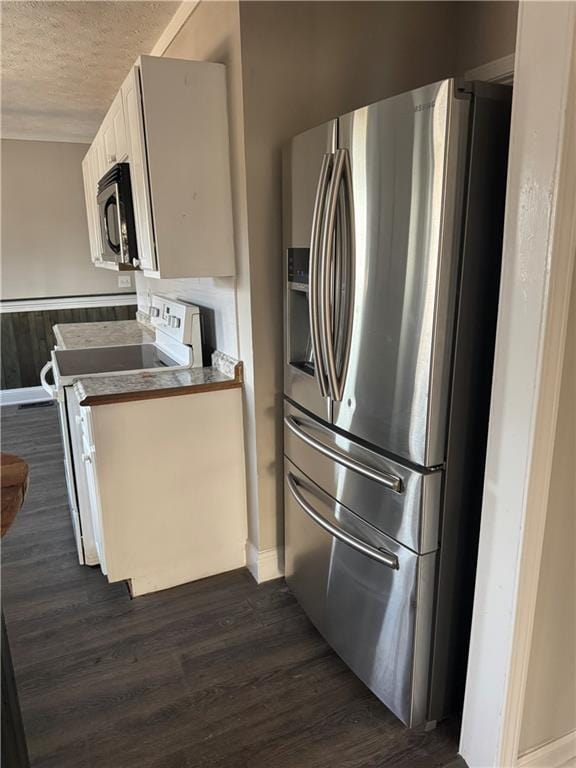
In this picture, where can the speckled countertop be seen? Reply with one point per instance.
(102, 390)
(111, 334)
(224, 373)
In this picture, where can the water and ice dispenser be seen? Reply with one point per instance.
(299, 341)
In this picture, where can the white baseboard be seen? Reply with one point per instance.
(265, 565)
(552, 755)
(23, 396)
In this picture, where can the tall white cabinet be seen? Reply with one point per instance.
(169, 122)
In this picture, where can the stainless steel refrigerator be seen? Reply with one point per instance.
(392, 237)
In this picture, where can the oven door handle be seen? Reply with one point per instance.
(49, 388)
(390, 481)
(382, 556)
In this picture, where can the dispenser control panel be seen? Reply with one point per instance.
(298, 261)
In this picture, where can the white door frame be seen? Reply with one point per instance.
(538, 259)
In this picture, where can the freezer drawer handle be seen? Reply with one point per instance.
(380, 555)
(390, 481)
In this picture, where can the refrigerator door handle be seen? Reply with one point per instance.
(315, 262)
(349, 270)
(341, 175)
(327, 251)
(382, 556)
(389, 481)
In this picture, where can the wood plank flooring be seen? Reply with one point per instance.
(221, 673)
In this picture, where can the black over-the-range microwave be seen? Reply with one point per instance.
(116, 217)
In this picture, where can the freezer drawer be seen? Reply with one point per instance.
(369, 597)
(400, 501)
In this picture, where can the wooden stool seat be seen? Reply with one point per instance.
(13, 485)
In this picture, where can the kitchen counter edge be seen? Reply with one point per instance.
(107, 390)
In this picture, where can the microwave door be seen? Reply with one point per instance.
(110, 224)
(394, 393)
(306, 176)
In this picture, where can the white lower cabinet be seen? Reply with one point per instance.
(76, 417)
(89, 460)
(176, 511)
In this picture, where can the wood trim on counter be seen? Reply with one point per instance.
(154, 394)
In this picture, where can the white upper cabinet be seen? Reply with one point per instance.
(139, 171)
(90, 172)
(113, 130)
(170, 123)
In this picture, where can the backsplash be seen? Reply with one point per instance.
(216, 297)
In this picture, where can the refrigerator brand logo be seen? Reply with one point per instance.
(422, 107)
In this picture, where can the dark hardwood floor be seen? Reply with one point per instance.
(220, 673)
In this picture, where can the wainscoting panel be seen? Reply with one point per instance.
(27, 339)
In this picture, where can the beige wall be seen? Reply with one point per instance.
(304, 62)
(550, 702)
(212, 33)
(292, 65)
(486, 32)
(45, 249)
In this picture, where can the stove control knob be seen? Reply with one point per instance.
(174, 322)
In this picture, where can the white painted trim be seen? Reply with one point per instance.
(538, 259)
(49, 138)
(183, 12)
(498, 71)
(23, 395)
(69, 302)
(265, 565)
(552, 755)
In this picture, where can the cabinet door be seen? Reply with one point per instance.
(90, 192)
(117, 117)
(100, 164)
(114, 134)
(89, 459)
(75, 419)
(109, 141)
(138, 170)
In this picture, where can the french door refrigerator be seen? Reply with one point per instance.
(393, 220)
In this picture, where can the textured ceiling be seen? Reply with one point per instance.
(63, 62)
